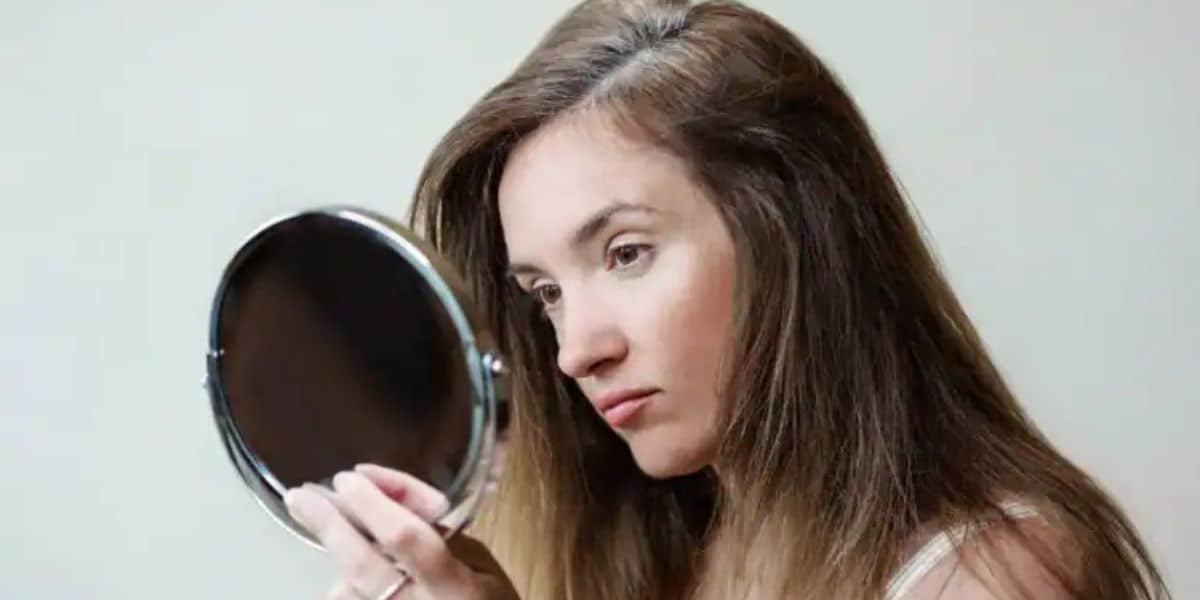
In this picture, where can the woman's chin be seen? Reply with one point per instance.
(659, 464)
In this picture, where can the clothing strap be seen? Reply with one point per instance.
(939, 547)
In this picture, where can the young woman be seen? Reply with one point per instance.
(737, 371)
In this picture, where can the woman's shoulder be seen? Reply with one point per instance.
(999, 558)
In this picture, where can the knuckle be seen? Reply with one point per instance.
(435, 559)
(427, 553)
(359, 566)
(400, 538)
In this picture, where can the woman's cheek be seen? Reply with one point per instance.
(675, 305)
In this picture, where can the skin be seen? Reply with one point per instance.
(643, 302)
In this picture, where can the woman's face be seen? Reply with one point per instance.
(634, 269)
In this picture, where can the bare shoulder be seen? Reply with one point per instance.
(1019, 562)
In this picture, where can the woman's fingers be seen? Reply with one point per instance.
(402, 534)
(363, 568)
(342, 591)
(427, 501)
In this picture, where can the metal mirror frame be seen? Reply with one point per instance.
(486, 369)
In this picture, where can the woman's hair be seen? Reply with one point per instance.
(870, 410)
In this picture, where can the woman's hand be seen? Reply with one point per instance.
(395, 509)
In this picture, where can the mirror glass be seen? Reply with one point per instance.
(335, 341)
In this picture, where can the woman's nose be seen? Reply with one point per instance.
(589, 338)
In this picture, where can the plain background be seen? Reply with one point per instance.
(1052, 149)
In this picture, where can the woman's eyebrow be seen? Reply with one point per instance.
(595, 223)
(517, 269)
(590, 228)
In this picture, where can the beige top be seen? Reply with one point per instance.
(939, 548)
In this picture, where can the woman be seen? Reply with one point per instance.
(737, 370)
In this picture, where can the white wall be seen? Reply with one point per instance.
(1052, 148)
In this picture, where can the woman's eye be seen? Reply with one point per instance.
(547, 295)
(627, 255)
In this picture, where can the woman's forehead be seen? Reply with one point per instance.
(565, 173)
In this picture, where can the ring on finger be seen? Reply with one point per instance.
(400, 582)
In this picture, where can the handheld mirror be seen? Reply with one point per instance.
(338, 337)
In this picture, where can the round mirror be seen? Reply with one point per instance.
(337, 337)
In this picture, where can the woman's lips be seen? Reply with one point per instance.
(621, 412)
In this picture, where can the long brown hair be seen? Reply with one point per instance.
(870, 410)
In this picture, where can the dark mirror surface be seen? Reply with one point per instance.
(334, 351)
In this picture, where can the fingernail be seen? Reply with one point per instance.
(313, 487)
(322, 491)
(340, 480)
(293, 503)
